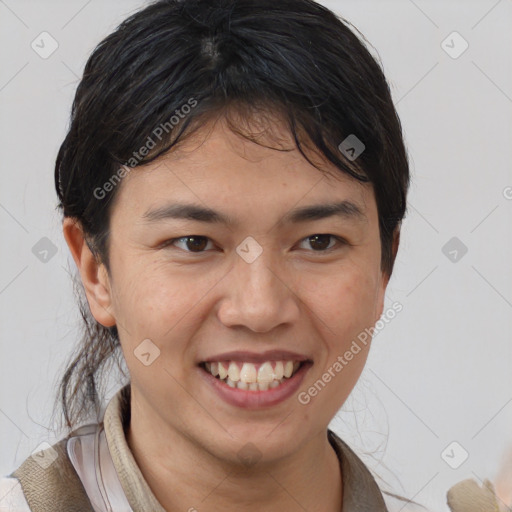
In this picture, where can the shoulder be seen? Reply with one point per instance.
(12, 498)
(46, 480)
(359, 484)
(37, 477)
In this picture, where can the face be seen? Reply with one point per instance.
(262, 282)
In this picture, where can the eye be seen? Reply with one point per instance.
(197, 243)
(190, 243)
(321, 242)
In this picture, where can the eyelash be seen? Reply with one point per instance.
(340, 241)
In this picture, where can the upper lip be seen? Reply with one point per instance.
(253, 357)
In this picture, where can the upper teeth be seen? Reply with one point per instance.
(249, 373)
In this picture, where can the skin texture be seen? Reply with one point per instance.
(194, 305)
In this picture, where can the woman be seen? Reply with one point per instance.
(232, 187)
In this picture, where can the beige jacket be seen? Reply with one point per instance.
(93, 469)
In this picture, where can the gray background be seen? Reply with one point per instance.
(441, 370)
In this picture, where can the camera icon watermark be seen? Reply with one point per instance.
(249, 454)
(352, 147)
(454, 45)
(44, 250)
(44, 45)
(249, 250)
(44, 455)
(147, 352)
(454, 249)
(455, 455)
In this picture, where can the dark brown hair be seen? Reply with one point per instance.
(294, 57)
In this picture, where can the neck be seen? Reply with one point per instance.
(184, 476)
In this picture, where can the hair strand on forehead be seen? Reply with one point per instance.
(170, 67)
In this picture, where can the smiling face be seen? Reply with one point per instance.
(232, 257)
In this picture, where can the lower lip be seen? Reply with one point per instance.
(256, 399)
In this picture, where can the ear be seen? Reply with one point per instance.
(386, 277)
(93, 273)
(394, 250)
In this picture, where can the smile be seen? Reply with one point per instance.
(252, 381)
(250, 376)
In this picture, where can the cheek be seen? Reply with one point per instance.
(344, 304)
(162, 305)
(153, 307)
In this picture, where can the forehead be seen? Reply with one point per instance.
(222, 169)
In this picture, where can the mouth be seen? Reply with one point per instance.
(254, 381)
(252, 377)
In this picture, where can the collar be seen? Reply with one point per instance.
(360, 490)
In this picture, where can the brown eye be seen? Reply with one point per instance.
(196, 243)
(191, 243)
(321, 242)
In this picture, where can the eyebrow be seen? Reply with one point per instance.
(343, 209)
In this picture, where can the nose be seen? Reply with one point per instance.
(258, 297)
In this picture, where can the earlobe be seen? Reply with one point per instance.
(92, 272)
